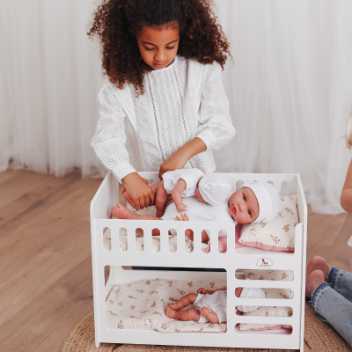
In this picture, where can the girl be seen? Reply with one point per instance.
(329, 288)
(163, 105)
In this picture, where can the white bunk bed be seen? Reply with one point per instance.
(114, 264)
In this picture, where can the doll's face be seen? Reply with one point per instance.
(158, 45)
(243, 206)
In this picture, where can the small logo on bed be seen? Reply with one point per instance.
(264, 262)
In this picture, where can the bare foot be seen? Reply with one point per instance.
(121, 212)
(171, 313)
(318, 263)
(314, 280)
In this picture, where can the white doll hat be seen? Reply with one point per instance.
(268, 199)
(215, 189)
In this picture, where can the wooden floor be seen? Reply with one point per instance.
(45, 286)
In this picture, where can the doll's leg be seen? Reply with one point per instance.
(209, 315)
(160, 199)
(176, 311)
(184, 301)
(121, 212)
(184, 315)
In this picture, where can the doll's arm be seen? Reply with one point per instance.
(177, 193)
(203, 290)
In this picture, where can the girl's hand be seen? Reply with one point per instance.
(138, 192)
(176, 161)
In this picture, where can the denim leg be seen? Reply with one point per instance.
(341, 281)
(335, 309)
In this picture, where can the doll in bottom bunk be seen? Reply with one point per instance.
(209, 305)
(201, 197)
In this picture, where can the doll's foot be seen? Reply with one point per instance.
(318, 263)
(171, 313)
(314, 280)
(121, 212)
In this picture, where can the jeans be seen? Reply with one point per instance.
(333, 301)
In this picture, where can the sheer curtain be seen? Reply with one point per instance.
(290, 89)
(50, 79)
(289, 85)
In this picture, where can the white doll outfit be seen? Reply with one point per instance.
(190, 176)
(195, 210)
(215, 301)
(268, 199)
(251, 293)
(215, 189)
(185, 100)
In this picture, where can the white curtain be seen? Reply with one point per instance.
(49, 82)
(289, 84)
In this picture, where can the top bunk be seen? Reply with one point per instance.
(118, 236)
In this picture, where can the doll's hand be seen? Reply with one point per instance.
(138, 192)
(182, 217)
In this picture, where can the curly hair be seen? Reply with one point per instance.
(117, 22)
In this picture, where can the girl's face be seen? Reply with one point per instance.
(158, 45)
(243, 206)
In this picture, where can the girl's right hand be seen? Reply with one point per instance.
(139, 193)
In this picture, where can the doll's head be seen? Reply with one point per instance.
(254, 202)
(138, 36)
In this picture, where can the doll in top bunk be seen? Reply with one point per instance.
(198, 197)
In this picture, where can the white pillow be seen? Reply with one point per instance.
(276, 235)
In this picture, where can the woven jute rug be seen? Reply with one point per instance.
(319, 337)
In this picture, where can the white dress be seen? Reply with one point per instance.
(215, 301)
(182, 101)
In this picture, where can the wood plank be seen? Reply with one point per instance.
(56, 312)
(44, 261)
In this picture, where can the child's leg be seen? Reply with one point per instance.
(341, 281)
(334, 308)
(177, 194)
